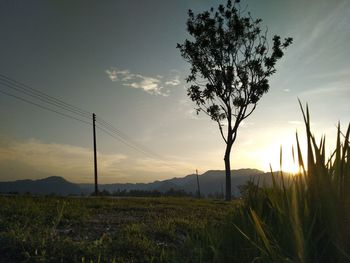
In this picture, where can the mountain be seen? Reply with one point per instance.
(211, 182)
(50, 185)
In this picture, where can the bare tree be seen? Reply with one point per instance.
(231, 61)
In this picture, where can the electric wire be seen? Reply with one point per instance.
(125, 137)
(150, 155)
(119, 135)
(124, 142)
(114, 129)
(11, 83)
(44, 107)
(103, 125)
(128, 143)
(40, 93)
(44, 100)
(122, 139)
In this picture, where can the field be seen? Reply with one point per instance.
(52, 229)
(301, 218)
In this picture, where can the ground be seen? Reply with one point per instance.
(56, 229)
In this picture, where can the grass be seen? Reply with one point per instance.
(302, 219)
(52, 229)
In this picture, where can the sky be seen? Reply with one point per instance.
(119, 60)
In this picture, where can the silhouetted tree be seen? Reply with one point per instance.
(231, 61)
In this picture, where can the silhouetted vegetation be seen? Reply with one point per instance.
(248, 188)
(305, 219)
(231, 63)
(301, 219)
(146, 193)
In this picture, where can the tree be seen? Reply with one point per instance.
(231, 61)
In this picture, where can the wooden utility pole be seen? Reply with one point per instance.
(95, 154)
(199, 190)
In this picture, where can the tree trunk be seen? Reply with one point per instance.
(228, 172)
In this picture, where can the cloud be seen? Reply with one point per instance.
(148, 84)
(330, 29)
(34, 159)
(152, 85)
(112, 74)
(340, 88)
(174, 82)
(72, 162)
(335, 74)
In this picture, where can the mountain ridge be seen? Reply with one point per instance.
(211, 182)
(49, 185)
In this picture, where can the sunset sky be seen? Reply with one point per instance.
(119, 60)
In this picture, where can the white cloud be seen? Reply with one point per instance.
(335, 74)
(112, 74)
(148, 84)
(33, 159)
(152, 85)
(72, 162)
(329, 89)
(174, 82)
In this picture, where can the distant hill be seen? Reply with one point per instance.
(50, 185)
(211, 182)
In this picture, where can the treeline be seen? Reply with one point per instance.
(147, 193)
(155, 193)
(132, 193)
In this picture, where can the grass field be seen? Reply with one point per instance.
(52, 229)
(303, 219)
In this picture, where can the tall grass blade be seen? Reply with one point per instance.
(260, 231)
(300, 156)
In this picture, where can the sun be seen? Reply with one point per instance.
(270, 156)
(290, 167)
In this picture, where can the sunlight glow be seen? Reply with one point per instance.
(290, 167)
(269, 156)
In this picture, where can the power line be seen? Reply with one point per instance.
(20, 87)
(103, 122)
(105, 126)
(112, 134)
(44, 107)
(130, 141)
(125, 137)
(118, 135)
(24, 86)
(111, 129)
(43, 100)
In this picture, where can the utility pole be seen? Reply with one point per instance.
(199, 190)
(95, 154)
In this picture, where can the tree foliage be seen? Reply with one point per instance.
(231, 61)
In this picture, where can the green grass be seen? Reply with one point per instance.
(51, 229)
(304, 218)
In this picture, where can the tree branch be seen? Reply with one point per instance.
(221, 132)
(251, 111)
